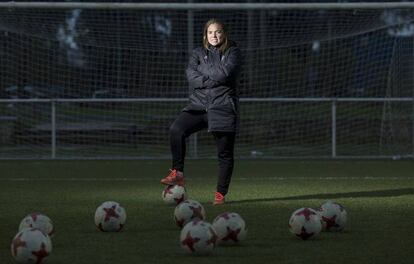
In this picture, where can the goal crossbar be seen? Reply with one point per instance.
(207, 6)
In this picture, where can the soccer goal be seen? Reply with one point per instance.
(106, 80)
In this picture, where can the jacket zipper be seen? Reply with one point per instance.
(208, 99)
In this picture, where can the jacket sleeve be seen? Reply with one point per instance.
(196, 79)
(222, 72)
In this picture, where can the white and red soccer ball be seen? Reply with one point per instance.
(198, 237)
(305, 223)
(174, 194)
(39, 221)
(333, 216)
(230, 228)
(110, 217)
(31, 245)
(187, 211)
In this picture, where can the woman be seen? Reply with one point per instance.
(212, 75)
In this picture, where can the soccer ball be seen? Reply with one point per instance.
(174, 194)
(110, 217)
(39, 221)
(187, 211)
(31, 245)
(333, 216)
(305, 223)
(230, 228)
(198, 237)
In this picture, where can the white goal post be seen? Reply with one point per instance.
(89, 80)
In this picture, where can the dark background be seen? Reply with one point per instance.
(144, 53)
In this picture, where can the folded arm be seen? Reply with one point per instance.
(222, 72)
(195, 76)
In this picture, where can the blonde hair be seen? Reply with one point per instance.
(225, 43)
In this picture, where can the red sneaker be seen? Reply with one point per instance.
(218, 198)
(175, 177)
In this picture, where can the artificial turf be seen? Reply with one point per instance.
(378, 197)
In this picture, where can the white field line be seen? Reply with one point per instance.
(367, 178)
(75, 179)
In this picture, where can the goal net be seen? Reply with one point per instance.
(107, 82)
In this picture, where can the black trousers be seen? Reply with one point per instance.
(188, 123)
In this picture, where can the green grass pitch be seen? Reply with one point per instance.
(378, 196)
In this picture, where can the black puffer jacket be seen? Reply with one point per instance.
(213, 78)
